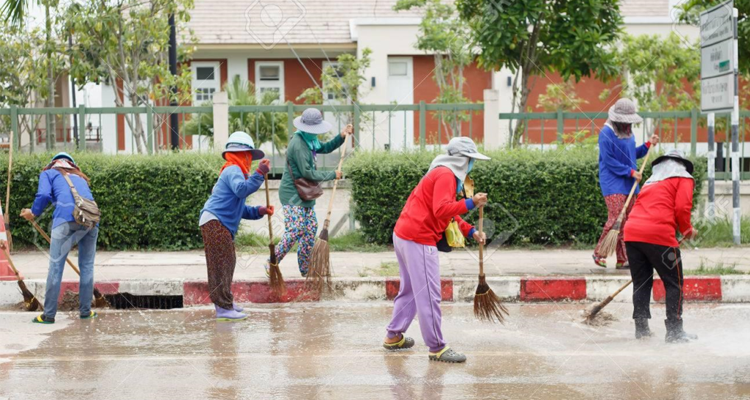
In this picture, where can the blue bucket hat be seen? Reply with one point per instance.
(239, 142)
(63, 155)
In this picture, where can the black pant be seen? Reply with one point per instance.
(644, 258)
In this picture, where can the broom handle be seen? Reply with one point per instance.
(335, 184)
(268, 204)
(44, 234)
(481, 245)
(635, 184)
(7, 190)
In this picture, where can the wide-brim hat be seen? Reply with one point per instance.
(624, 111)
(464, 146)
(676, 155)
(239, 142)
(311, 121)
(65, 155)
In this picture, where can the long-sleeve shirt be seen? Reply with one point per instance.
(227, 200)
(53, 188)
(662, 209)
(430, 208)
(300, 159)
(617, 162)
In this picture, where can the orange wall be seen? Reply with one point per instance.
(296, 79)
(425, 89)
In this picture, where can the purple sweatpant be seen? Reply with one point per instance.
(419, 294)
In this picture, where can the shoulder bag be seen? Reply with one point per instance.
(306, 188)
(85, 212)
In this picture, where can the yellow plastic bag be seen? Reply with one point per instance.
(453, 235)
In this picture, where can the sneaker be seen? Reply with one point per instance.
(447, 355)
(225, 315)
(675, 333)
(622, 265)
(91, 315)
(41, 319)
(237, 307)
(642, 330)
(602, 262)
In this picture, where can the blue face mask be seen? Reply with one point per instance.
(471, 165)
(460, 184)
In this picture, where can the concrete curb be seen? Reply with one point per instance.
(725, 289)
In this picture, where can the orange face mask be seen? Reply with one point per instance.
(241, 159)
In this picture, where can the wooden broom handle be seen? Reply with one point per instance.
(268, 204)
(632, 190)
(481, 245)
(335, 184)
(44, 234)
(10, 167)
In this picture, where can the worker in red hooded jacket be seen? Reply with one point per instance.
(662, 209)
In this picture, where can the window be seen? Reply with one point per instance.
(269, 78)
(397, 68)
(206, 81)
(335, 73)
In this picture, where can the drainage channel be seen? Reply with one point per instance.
(124, 301)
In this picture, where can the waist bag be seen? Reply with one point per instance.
(85, 212)
(306, 188)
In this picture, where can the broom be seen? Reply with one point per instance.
(487, 306)
(99, 300)
(30, 302)
(320, 268)
(609, 245)
(7, 193)
(276, 280)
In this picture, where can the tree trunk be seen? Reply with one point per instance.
(138, 125)
(50, 79)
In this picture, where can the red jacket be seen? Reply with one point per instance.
(430, 208)
(662, 209)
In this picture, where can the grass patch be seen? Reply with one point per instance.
(719, 233)
(388, 268)
(718, 269)
(355, 241)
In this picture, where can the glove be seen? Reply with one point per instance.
(264, 166)
(263, 210)
(270, 210)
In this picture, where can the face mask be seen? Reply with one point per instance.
(471, 165)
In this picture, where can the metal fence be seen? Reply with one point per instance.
(685, 129)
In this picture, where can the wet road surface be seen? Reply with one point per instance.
(332, 351)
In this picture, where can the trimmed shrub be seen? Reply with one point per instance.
(147, 202)
(550, 197)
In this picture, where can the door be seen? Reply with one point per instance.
(401, 91)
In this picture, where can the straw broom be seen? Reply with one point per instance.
(7, 193)
(609, 245)
(99, 300)
(276, 280)
(320, 267)
(487, 306)
(30, 302)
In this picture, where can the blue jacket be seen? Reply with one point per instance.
(227, 201)
(617, 161)
(53, 188)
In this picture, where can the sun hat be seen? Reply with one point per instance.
(63, 155)
(311, 121)
(677, 155)
(464, 146)
(240, 141)
(624, 111)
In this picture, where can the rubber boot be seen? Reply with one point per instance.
(641, 328)
(228, 315)
(675, 334)
(237, 307)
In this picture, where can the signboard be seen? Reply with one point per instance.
(717, 24)
(717, 94)
(717, 59)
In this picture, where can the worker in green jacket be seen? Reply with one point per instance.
(300, 222)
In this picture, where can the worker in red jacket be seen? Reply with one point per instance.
(428, 211)
(662, 209)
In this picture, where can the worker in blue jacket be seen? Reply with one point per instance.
(66, 233)
(221, 216)
(618, 171)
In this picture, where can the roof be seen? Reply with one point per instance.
(319, 21)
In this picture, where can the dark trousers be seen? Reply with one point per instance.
(644, 258)
(220, 259)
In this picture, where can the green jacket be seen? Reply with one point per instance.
(300, 157)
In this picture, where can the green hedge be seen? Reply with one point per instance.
(549, 197)
(147, 202)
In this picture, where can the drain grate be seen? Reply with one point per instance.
(122, 301)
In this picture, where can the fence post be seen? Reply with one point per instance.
(290, 119)
(422, 124)
(81, 127)
(355, 123)
(150, 128)
(221, 120)
(693, 131)
(492, 137)
(560, 125)
(14, 128)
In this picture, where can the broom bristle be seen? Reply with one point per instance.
(319, 274)
(30, 302)
(487, 306)
(609, 245)
(276, 280)
(99, 300)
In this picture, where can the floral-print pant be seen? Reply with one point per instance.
(300, 226)
(615, 202)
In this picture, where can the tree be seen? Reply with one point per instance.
(690, 11)
(128, 40)
(264, 126)
(561, 96)
(445, 35)
(535, 37)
